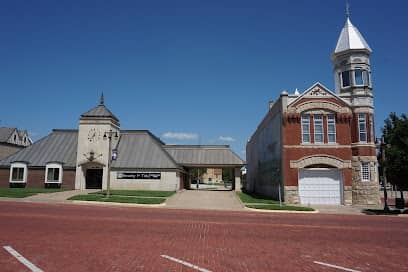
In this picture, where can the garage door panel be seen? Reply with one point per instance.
(320, 186)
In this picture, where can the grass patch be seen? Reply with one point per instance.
(277, 207)
(118, 199)
(246, 198)
(25, 192)
(261, 203)
(137, 193)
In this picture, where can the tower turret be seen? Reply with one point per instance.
(352, 71)
(352, 77)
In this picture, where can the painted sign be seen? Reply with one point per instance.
(138, 175)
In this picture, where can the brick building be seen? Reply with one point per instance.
(318, 147)
(86, 158)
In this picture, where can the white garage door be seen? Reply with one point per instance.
(320, 186)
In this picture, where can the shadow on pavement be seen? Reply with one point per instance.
(382, 212)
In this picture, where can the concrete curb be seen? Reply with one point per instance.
(279, 211)
(80, 202)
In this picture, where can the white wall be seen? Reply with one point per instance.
(169, 181)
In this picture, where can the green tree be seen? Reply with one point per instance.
(395, 133)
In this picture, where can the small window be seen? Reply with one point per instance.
(305, 129)
(365, 171)
(362, 127)
(358, 77)
(345, 78)
(331, 128)
(53, 175)
(17, 174)
(318, 128)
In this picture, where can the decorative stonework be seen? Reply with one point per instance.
(314, 105)
(292, 195)
(317, 92)
(320, 159)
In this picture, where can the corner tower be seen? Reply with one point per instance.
(352, 77)
(93, 147)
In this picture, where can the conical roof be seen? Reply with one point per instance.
(350, 38)
(100, 111)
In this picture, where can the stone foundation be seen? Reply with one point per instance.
(348, 195)
(292, 195)
(365, 192)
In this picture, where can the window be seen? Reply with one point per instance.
(367, 78)
(372, 133)
(17, 174)
(53, 173)
(345, 78)
(305, 129)
(358, 77)
(362, 127)
(318, 128)
(331, 128)
(365, 171)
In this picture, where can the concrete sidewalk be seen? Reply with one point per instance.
(57, 197)
(205, 200)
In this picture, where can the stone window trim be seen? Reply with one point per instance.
(320, 159)
(51, 169)
(15, 169)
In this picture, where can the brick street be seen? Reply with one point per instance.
(61, 237)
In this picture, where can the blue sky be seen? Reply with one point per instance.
(190, 71)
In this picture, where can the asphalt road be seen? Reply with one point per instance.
(61, 237)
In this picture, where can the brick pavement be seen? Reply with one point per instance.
(59, 237)
(202, 199)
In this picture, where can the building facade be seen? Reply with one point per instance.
(12, 140)
(318, 147)
(99, 152)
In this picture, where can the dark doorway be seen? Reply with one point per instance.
(94, 178)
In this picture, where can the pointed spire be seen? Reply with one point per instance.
(347, 9)
(350, 38)
(102, 102)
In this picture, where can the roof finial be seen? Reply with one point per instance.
(347, 9)
(102, 99)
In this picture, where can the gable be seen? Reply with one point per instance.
(318, 97)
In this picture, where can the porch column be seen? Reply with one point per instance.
(237, 179)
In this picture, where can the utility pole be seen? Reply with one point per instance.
(383, 147)
(108, 135)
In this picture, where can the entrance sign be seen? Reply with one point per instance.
(138, 175)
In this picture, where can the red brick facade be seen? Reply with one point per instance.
(36, 178)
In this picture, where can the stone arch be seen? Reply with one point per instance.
(320, 159)
(325, 105)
